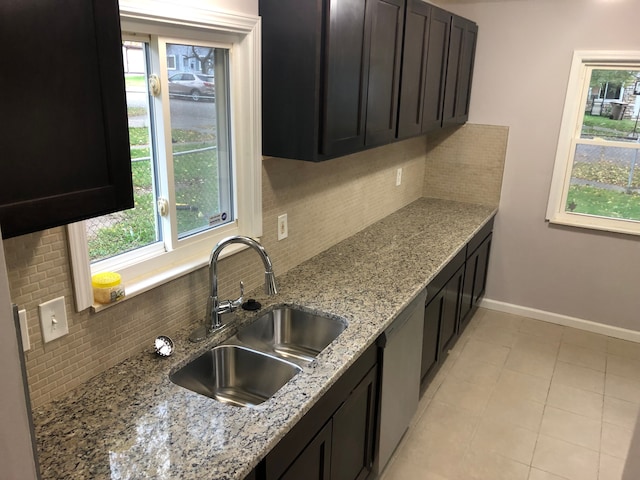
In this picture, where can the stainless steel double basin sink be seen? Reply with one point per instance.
(261, 358)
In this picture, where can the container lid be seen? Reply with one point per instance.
(105, 280)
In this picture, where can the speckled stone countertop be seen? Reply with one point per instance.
(131, 422)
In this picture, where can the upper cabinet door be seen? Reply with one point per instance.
(65, 138)
(347, 67)
(385, 18)
(414, 68)
(463, 91)
(462, 43)
(436, 69)
(456, 38)
(340, 76)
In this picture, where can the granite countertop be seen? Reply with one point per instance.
(131, 422)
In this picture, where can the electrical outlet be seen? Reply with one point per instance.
(53, 319)
(398, 177)
(283, 228)
(22, 316)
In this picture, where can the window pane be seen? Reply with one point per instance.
(611, 109)
(200, 137)
(124, 231)
(605, 182)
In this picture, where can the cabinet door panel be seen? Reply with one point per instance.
(414, 66)
(436, 69)
(471, 268)
(453, 69)
(386, 18)
(291, 77)
(480, 278)
(463, 92)
(65, 148)
(432, 316)
(451, 311)
(353, 432)
(475, 281)
(314, 463)
(462, 44)
(347, 53)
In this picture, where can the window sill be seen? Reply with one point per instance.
(627, 227)
(159, 277)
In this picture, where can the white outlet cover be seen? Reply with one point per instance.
(53, 319)
(283, 227)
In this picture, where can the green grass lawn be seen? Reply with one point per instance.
(598, 126)
(603, 203)
(134, 80)
(196, 189)
(134, 228)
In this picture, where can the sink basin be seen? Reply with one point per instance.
(235, 375)
(291, 333)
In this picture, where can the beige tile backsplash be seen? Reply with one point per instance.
(325, 203)
(467, 165)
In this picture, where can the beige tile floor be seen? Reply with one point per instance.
(521, 399)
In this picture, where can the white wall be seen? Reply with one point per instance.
(247, 7)
(520, 80)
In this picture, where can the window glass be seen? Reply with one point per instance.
(200, 139)
(605, 175)
(128, 230)
(198, 150)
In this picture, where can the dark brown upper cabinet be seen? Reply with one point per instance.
(387, 25)
(342, 102)
(330, 75)
(462, 47)
(340, 76)
(436, 70)
(65, 140)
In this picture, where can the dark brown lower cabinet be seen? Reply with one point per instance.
(452, 298)
(475, 277)
(450, 311)
(314, 463)
(354, 432)
(441, 318)
(432, 314)
(475, 281)
(336, 438)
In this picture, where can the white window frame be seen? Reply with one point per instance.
(142, 272)
(570, 131)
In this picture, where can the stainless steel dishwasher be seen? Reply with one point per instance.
(400, 391)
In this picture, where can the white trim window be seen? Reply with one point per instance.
(195, 146)
(596, 178)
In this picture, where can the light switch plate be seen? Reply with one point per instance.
(24, 332)
(53, 319)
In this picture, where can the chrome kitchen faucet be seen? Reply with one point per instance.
(216, 308)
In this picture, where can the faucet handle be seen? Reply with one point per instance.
(234, 304)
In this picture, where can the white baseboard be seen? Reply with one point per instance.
(588, 325)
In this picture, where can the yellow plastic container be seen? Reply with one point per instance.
(107, 287)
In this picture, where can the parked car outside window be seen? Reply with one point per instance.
(195, 86)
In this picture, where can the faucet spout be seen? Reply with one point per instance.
(215, 308)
